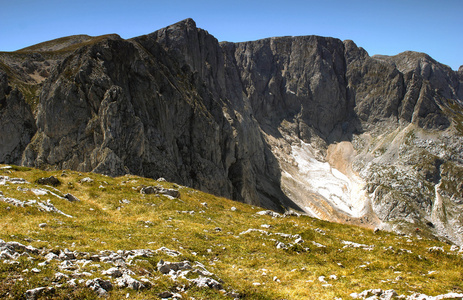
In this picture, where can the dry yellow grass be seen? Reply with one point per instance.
(113, 215)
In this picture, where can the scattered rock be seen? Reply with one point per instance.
(454, 248)
(43, 225)
(168, 251)
(167, 267)
(165, 295)
(99, 285)
(436, 249)
(49, 207)
(51, 256)
(38, 292)
(53, 181)
(269, 213)
(113, 272)
(160, 190)
(233, 208)
(5, 179)
(349, 244)
(86, 180)
(318, 245)
(379, 294)
(207, 282)
(129, 282)
(71, 198)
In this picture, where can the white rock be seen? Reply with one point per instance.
(51, 256)
(454, 248)
(207, 282)
(113, 272)
(168, 251)
(99, 285)
(127, 281)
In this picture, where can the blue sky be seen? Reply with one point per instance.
(381, 27)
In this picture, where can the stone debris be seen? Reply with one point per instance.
(86, 180)
(168, 295)
(348, 244)
(207, 282)
(102, 287)
(269, 213)
(173, 267)
(53, 181)
(126, 281)
(39, 192)
(436, 249)
(5, 180)
(113, 272)
(233, 208)
(379, 294)
(454, 248)
(318, 245)
(182, 269)
(168, 251)
(71, 198)
(49, 207)
(38, 292)
(41, 205)
(71, 264)
(322, 232)
(160, 190)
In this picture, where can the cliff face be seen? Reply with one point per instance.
(306, 123)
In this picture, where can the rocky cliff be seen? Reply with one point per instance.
(309, 123)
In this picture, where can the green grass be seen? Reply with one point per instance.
(103, 222)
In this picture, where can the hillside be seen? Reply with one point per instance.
(92, 236)
(309, 124)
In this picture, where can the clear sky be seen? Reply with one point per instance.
(381, 27)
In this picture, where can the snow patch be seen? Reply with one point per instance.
(343, 192)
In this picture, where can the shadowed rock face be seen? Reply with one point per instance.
(250, 121)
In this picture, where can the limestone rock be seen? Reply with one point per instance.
(102, 287)
(53, 181)
(254, 121)
(16, 120)
(38, 292)
(71, 198)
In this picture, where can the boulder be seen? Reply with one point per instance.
(53, 181)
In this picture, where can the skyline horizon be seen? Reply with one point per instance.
(381, 28)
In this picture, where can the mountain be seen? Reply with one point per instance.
(311, 124)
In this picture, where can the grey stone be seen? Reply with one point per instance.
(129, 282)
(161, 191)
(71, 198)
(166, 267)
(113, 272)
(207, 282)
(53, 181)
(38, 292)
(102, 287)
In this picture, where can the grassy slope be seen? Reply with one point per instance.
(102, 222)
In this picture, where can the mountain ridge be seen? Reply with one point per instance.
(250, 121)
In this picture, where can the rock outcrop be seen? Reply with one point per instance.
(309, 123)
